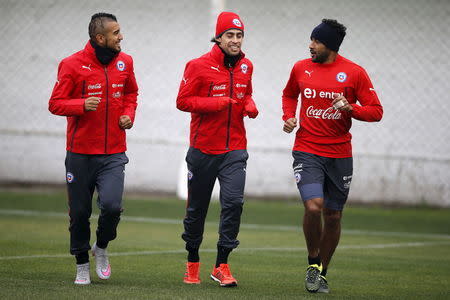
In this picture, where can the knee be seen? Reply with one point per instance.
(80, 213)
(196, 212)
(313, 211)
(332, 218)
(112, 209)
(313, 207)
(234, 204)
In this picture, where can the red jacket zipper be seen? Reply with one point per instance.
(106, 127)
(229, 110)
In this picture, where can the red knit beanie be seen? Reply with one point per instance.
(226, 21)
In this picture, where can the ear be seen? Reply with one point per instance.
(219, 39)
(100, 39)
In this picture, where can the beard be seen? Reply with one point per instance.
(109, 47)
(322, 57)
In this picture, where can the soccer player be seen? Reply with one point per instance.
(334, 90)
(217, 90)
(96, 90)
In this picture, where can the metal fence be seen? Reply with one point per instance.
(402, 44)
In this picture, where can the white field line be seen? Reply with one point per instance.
(31, 213)
(272, 249)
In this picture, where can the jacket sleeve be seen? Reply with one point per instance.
(370, 109)
(130, 94)
(250, 108)
(188, 99)
(60, 102)
(249, 90)
(290, 97)
(248, 94)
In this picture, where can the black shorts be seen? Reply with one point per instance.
(323, 177)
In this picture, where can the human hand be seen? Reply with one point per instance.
(341, 103)
(289, 125)
(224, 102)
(250, 109)
(91, 103)
(125, 122)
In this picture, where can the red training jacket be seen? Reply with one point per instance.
(217, 124)
(80, 76)
(323, 130)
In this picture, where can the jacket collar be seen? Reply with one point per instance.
(217, 54)
(90, 51)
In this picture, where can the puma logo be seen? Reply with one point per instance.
(214, 68)
(308, 72)
(185, 80)
(88, 67)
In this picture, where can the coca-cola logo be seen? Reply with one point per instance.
(94, 86)
(219, 87)
(327, 114)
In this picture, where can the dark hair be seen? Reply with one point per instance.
(213, 40)
(336, 25)
(96, 25)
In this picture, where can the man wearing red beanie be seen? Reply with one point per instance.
(217, 90)
(330, 87)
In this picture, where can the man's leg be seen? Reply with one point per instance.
(202, 171)
(80, 189)
(110, 183)
(312, 229)
(339, 172)
(309, 175)
(231, 176)
(312, 226)
(331, 234)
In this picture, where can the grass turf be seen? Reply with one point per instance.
(383, 253)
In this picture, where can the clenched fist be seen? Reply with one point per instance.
(250, 108)
(91, 103)
(289, 125)
(125, 122)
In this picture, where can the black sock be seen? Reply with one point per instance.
(324, 272)
(102, 244)
(82, 258)
(193, 254)
(314, 260)
(222, 255)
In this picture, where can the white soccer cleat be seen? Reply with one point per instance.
(102, 266)
(83, 275)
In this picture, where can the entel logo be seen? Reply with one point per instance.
(327, 114)
(312, 93)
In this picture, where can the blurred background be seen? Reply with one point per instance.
(403, 45)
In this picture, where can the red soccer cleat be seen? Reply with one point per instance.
(192, 273)
(222, 274)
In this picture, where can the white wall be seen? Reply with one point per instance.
(403, 46)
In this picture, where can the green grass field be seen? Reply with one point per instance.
(395, 253)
